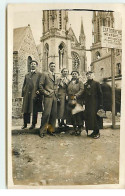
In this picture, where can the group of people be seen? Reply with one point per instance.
(58, 97)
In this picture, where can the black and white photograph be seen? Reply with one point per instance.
(64, 95)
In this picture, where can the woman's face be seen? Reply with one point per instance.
(74, 75)
(65, 72)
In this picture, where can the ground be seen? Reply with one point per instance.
(65, 159)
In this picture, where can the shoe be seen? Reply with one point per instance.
(24, 127)
(41, 135)
(32, 127)
(77, 133)
(50, 133)
(91, 135)
(96, 136)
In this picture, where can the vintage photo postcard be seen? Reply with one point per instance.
(66, 76)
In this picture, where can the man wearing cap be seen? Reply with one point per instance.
(93, 103)
(32, 100)
(48, 87)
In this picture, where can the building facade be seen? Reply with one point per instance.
(59, 43)
(24, 50)
(101, 57)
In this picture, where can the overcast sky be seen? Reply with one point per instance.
(34, 18)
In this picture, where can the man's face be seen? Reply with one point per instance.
(52, 67)
(90, 76)
(33, 66)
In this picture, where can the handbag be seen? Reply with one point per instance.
(78, 108)
(101, 113)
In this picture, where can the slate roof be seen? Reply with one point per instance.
(18, 35)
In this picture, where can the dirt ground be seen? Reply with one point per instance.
(65, 159)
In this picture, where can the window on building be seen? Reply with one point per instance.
(75, 61)
(61, 56)
(28, 63)
(118, 69)
(60, 19)
(98, 30)
(108, 22)
(103, 22)
(48, 20)
(46, 50)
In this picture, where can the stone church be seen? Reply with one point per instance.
(59, 43)
(24, 50)
(101, 57)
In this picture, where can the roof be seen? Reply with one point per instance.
(72, 35)
(18, 35)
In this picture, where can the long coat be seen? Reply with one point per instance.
(93, 102)
(62, 103)
(30, 86)
(75, 89)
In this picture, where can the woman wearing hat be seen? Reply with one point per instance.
(75, 90)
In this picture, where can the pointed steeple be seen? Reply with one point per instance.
(82, 35)
(82, 29)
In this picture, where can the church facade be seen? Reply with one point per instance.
(101, 57)
(59, 43)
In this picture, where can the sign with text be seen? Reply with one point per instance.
(111, 38)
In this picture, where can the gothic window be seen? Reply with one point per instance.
(98, 30)
(109, 22)
(48, 20)
(103, 22)
(46, 53)
(61, 56)
(60, 20)
(75, 61)
(118, 69)
(28, 63)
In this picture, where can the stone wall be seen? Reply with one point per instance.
(20, 69)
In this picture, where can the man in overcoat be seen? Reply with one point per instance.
(93, 103)
(49, 88)
(32, 100)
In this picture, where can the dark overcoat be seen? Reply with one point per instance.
(62, 93)
(93, 102)
(30, 86)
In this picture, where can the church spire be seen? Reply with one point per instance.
(82, 34)
(82, 29)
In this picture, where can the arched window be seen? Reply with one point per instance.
(48, 20)
(28, 63)
(60, 19)
(75, 61)
(98, 30)
(62, 54)
(118, 69)
(46, 54)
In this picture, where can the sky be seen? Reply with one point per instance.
(34, 18)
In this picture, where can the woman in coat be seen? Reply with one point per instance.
(75, 90)
(62, 93)
(93, 103)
